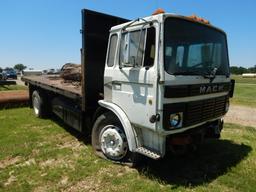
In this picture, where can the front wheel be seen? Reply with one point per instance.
(113, 142)
(109, 140)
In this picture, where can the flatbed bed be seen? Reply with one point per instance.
(56, 84)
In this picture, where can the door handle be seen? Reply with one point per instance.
(117, 86)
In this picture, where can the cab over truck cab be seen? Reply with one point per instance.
(149, 86)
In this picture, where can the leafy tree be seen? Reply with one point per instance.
(1, 70)
(20, 67)
(238, 70)
(252, 69)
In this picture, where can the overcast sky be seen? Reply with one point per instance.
(44, 34)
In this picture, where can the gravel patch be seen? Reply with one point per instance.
(241, 115)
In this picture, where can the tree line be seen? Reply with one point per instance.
(240, 70)
(18, 67)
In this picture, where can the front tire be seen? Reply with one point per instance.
(109, 140)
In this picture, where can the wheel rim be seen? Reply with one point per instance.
(113, 142)
(36, 105)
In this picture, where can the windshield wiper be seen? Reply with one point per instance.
(212, 74)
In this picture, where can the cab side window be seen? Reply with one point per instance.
(112, 50)
(138, 48)
(132, 48)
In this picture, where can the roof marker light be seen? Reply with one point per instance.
(158, 11)
(199, 19)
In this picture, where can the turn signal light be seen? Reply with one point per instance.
(199, 19)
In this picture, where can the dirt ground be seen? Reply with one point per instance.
(241, 115)
(19, 82)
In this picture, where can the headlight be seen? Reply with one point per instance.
(176, 120)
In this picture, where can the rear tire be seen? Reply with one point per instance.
(109, 140)
(40, 109)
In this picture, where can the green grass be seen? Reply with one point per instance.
(245, 94)
(245, 91)
(240, 79)
(41, 155)
(12, 87)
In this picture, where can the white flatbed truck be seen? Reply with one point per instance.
(147, 86)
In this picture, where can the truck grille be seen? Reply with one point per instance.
(200, 111)
(196, 111)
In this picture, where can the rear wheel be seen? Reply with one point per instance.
(109, 140)
(38, 105)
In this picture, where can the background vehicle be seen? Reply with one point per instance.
(3, 76)
(148, 86)
(31, 72)
(10, 74)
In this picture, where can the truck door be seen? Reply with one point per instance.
(134, 78)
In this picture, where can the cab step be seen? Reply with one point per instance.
(147, 152)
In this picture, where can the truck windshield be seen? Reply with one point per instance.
(194, 49)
